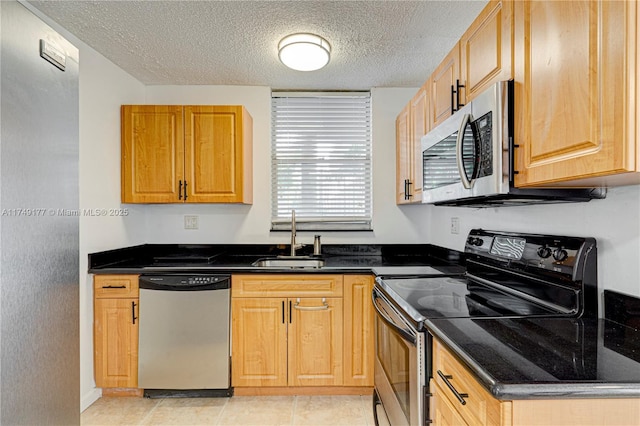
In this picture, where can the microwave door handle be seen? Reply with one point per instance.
(463, 175)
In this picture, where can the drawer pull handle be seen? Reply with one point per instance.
(459, 396)
(324, 306)
(114, 286)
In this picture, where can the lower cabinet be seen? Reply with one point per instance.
(453, 383)
(458, 395)
(443, 412)
(359, 349)
(115, 331)
(293, 330)
(289, 330)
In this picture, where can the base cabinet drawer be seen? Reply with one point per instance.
(442, 411)
(463, 392)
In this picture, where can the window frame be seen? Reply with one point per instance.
(362, 145)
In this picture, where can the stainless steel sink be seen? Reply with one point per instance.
(302, 262)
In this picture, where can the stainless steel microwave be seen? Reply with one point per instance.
(468, 159)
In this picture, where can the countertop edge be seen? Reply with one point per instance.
(229, 270)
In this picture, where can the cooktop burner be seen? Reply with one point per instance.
(507, 275)
(449, 297)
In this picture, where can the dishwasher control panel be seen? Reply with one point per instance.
(185, 282)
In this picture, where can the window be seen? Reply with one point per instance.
(321, 160)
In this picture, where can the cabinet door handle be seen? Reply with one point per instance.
(458, 395)
(289, 311)
(458, 87)
(324, 306)
(453, 93)
(283, 311)
(408, 191)
(185, 190)
(133, 312)
(114, 286)
(180, 191)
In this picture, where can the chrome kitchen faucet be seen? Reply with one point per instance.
(294, 246)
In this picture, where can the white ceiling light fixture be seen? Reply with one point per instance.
(304, 51)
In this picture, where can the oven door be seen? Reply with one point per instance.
(399, 367)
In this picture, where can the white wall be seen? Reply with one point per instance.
(250, 224)
(614, 222)
(103, 88)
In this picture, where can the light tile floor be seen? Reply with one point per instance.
(238, 410)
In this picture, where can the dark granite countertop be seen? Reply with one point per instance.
(238, 258)
(552, 357)
(512, 358)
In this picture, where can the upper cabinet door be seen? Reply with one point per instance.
(576, 80)
(443, 83)
(218, 154)
(403, 156)
(485, 49)
(152, 153)
(193, 154)
(419, 127)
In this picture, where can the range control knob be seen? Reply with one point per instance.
(560, 254)
(544, 252)
(475, 241)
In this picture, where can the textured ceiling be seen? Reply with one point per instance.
(374, 43)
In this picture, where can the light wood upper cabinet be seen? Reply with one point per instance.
(193, 154)
(411, 125)
(403, 156)
(576, 93)
(152, 153)
(443, 82)
(218, 154)
(486, 49)
(420, 125)
(116, 331)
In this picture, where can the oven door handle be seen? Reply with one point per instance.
(404, 333)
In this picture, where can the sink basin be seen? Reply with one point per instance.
(289, 262)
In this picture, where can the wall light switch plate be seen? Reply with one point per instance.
(190, 222)
(455, 225)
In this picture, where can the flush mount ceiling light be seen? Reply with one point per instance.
(304, 51)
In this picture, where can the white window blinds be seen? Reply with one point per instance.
(321, 160)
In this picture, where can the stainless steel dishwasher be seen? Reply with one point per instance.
(184, 347)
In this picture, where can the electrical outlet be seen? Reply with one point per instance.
(455, 225)
(190, 222)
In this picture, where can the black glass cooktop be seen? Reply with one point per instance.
(457, 297)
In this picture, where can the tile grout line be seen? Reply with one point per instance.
(224, 407)
(363, 405)
(293, 409)
(148, 415)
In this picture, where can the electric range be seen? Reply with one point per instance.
(508, 275)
